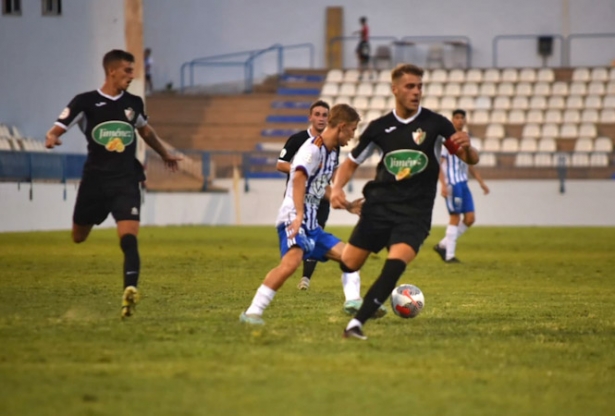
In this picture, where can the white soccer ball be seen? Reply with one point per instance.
(407, 301)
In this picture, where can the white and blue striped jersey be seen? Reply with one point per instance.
(455, 169)
(318, 163)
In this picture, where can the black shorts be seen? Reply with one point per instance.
(323, 212)
(375, 232)
(97, 198)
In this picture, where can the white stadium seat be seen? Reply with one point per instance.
(510, 75)
(569, 131)
(527, 75)
(516, 117)
(590, 115)
(545, 75)
(572, 116)
(588, 130)
(599, 74)
(510, 145)
(584, 144)
(603, 144)
(524, 160)
(487, 159)
(553, 116)
(531, 131)
(543, 160)
(581, 74)
(492, 75)
(598, 160)
(528, 145)
(542, 89)
(499, 116)
(334, 75)
(549, 130)
(474, 75)
(579, 160)
(535, 116)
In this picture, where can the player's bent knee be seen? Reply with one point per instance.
(347, 269)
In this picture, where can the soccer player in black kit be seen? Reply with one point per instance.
(319, 113)
(399, 202)
(111, 176)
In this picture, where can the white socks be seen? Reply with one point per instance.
(262, 299)
(351, 282)
(451, 241)
(461, 228)
(353, 322)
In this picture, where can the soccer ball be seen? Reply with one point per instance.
(407, 301)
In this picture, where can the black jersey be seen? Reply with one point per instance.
(109, 126)
(407, 174)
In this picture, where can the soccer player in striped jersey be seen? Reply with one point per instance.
(300, 235)
(319, 113)
(454, 185)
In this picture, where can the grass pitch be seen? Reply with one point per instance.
(525, 326)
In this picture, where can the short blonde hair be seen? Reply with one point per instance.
(342, 113)
(402, 69)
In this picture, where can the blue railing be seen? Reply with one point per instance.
(245, 59)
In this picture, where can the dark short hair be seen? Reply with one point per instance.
(402, 69)
(116, 55)
(459, 111)
(319, 103)
(363, 19)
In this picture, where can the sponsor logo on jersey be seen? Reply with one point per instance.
(100, 104)
(65, 113)
(130, 113)
(419, 136)
(390, 129)
(405, 163)
(114, 135)
(282, 153)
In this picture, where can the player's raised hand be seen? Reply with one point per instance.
(338, 198)
(172, 162)
(461, 139)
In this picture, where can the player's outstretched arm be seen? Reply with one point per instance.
(151, 138)
(342, 177)
(52, 138)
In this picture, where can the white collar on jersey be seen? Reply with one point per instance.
(117, 97)
(407, 120)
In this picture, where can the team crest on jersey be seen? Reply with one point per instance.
(130, 113)
(419, 136)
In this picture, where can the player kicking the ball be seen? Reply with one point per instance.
(300, 235)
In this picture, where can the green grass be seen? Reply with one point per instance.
(526, 325)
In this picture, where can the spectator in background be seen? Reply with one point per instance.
(363, 48)
(148, 63)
